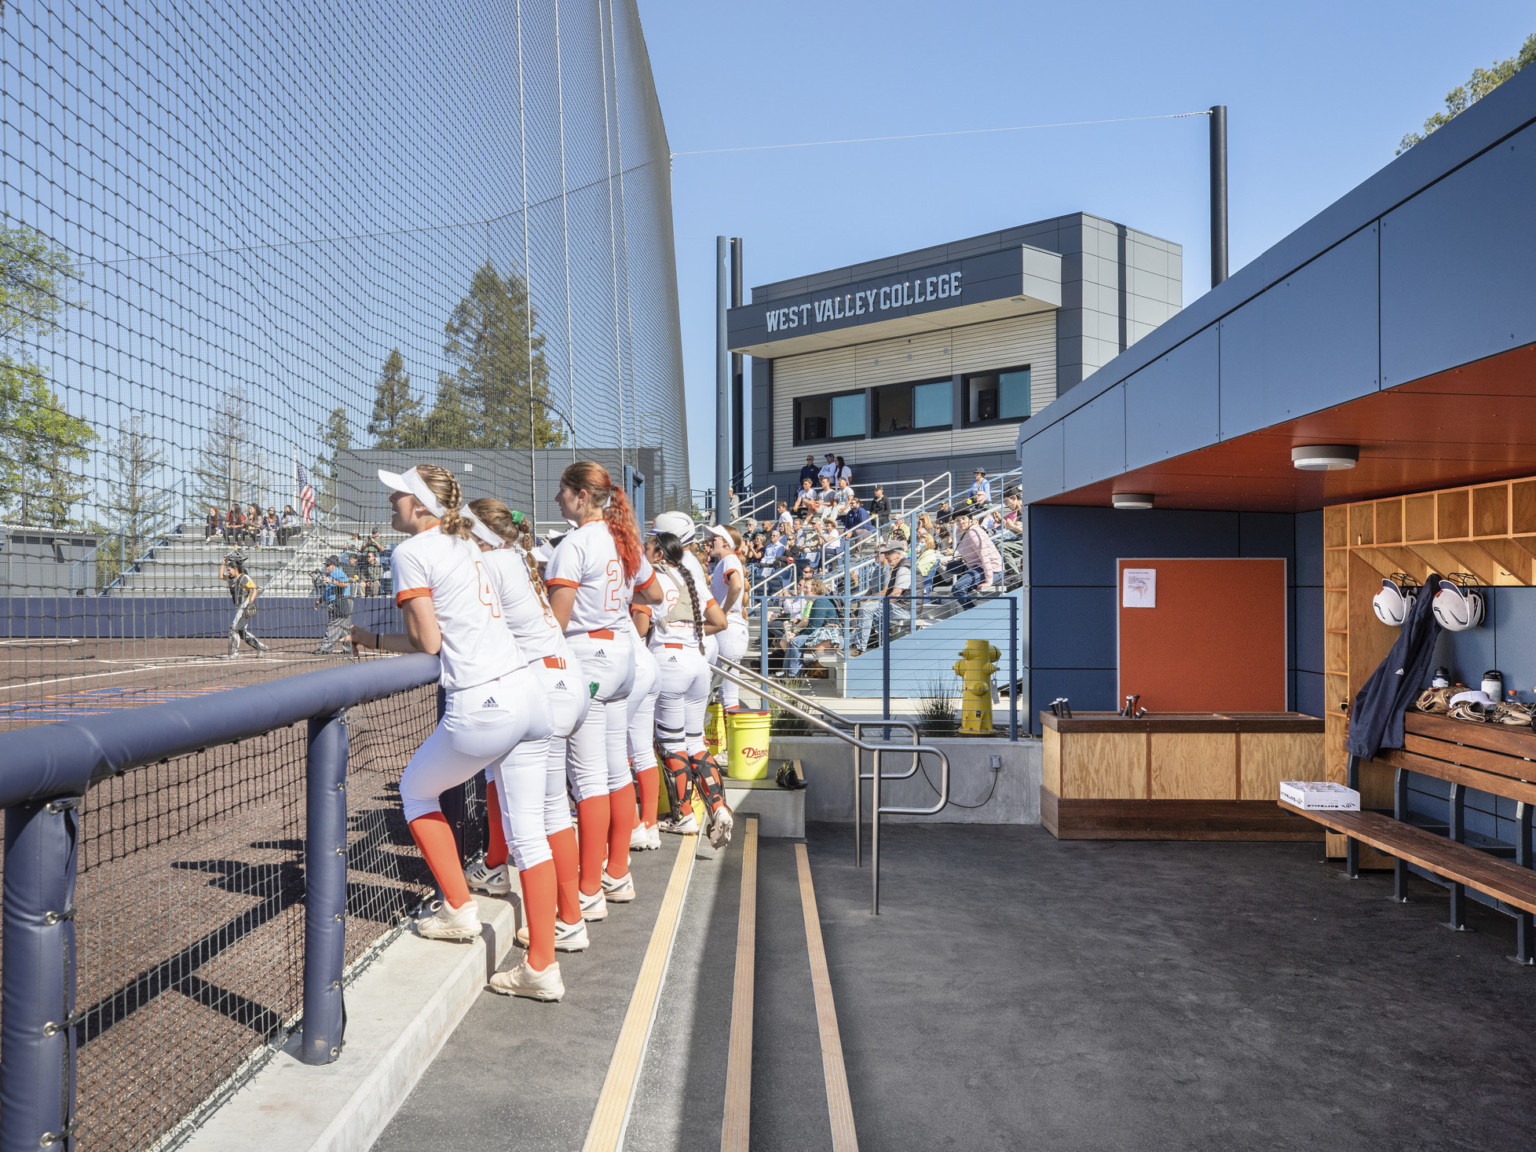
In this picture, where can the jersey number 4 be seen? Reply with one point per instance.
(488, 595)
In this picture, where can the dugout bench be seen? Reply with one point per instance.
(1488, 757)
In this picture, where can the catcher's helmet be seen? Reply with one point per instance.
(1395, 600)
(1459, 604)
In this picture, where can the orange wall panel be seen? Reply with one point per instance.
(1215, 642)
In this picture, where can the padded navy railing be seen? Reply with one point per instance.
(45, 772)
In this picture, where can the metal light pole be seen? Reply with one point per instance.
(738, 408)
(1218, 194)
(722, 387)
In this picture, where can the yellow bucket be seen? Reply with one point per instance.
(748, 741)
(714, 732)
(664, 805)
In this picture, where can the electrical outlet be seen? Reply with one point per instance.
(997, 763)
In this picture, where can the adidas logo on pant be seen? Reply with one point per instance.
(490, 702)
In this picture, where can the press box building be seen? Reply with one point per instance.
(929, 361)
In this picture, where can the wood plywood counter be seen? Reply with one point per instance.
(1177, 776)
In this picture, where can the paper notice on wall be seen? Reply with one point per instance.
(1139, 588)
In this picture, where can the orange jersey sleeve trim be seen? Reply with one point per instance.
(645, 608)
(649, 582)
(410, 594)
(559, 583)
(711, 603)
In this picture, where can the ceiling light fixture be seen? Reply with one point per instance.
(1325, 457)
(1132, 500)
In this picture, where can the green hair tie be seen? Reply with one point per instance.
(517, 517)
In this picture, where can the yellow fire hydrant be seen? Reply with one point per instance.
(975, 668)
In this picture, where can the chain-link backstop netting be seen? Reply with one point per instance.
(246, 248)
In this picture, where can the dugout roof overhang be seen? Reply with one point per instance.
(1401, 319)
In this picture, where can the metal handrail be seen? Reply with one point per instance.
(859, 746)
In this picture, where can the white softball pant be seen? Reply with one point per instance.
(682, 682)
(597, 752)
(733, 646)
(640, 717)
(480, 725)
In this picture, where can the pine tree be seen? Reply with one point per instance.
(500, 370)
(336, 435)
(229, 467)
(136, 457)
(396, 419)
(449, 424)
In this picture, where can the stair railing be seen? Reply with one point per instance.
(802, 707)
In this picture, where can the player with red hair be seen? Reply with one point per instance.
(596, 573)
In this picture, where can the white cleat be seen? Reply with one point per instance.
(593, 907)
(653, 838)
(568, 937)
(620, 891)
(687, 826)
(524, 981)
(720, 826)
(445, 923)
(640, 838)
(492, 881)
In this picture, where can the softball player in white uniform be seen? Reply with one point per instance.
(452, 607)
(596, 573)
(687, 614)
(640, 727)
(728, 585)
(525, 608)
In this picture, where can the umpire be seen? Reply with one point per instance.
(335, 587)
(242, 590)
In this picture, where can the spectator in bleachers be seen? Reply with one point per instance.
(826, 499)
(213, 525)
(289, 526)
(234, 525)
(856, 520)
(828, 471)
(818, 629)
(981, 490)
(805, 500)
(927, 561)
(983, 562)
(879, 506)
(253, 524)
(841, 495)
(373, 551)
(897, 570)
(269, 528)
(810, 471)
(784, 521)
(773, 561)
(843, 471)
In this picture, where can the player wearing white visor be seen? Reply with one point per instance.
(728, 585)
(452, 608)
(594, 576)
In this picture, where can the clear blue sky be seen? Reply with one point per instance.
(1318, 96)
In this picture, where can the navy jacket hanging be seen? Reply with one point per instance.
(1376, 721)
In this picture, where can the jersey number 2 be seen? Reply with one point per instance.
(611, 601)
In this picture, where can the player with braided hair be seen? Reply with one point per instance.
(728, 583)
(452, 606)
(536, 820)
(597, 572)
(686, 616)
(640, 729)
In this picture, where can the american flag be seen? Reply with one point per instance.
(306, 493)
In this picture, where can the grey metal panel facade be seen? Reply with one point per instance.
(1308, 343)
(1094, 440)
(1042, 462)
(1172, 406)
(1479, 262)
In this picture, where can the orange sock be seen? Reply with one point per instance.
(621, 823)
(567, 872)
(435, 839)
(650, 787)
(592, 832)
(496, 854)
(539, 899)
(677, 765)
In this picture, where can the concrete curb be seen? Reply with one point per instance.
(400, 1012)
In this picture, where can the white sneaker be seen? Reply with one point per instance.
(481, 877)
(653, 838)
(594, 907)
(524, 981)
(568, 937)
(640, 838)
(447, 923)
(687, 826)
(620, 891)
(720, 826)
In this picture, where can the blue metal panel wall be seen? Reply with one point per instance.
(1307, 598)
(1468, 236)
(1072, 608)
(1094, 440)
(1172, 406)
(1309, 342)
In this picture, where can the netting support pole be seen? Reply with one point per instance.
(325, 889)
(37, 1022)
